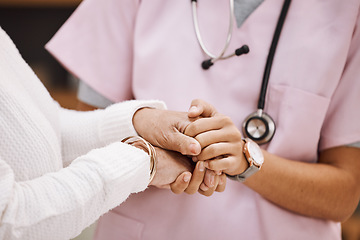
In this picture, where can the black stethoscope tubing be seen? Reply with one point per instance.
(270, 58)
(259, 126)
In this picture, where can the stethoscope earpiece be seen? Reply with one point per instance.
(259, 127)
(213, 58)
(243, 50)
(240, 51)
(207, 64)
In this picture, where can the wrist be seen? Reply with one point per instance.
(255, 158)
(241, 162)
(148, 148)
(244, 164)
(139, 119)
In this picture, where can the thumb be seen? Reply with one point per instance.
(184, 144)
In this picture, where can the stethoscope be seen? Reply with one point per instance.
(206, 64)
(258, 126)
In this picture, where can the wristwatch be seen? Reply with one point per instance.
(255, 158)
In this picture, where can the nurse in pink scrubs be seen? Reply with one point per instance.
(309, 182)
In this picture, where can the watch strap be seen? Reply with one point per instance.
(243, 176)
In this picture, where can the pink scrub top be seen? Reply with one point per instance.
(148, 50)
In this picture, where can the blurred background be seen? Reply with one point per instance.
(31, 24)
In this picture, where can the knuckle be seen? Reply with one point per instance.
(229, 120)
(208, 193)
(236, 135)
(176, 191)
(195, 101)
(225, 119)
(220, 189)
(175, 188)
(212, 165)
(190, 191)
(227, 163)
(195, 128)
(191, 130)
(210, 150)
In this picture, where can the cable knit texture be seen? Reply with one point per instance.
(52, 185)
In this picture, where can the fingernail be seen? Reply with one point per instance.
(186, 178)
(212, 178)
(193, 109)
(201, 166)
(204, 187)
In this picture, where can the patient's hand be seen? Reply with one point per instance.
(170, 165)
(165, 129)
(200, 175)
(179, 173)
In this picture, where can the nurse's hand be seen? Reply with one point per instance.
(220, 140)
(165, 129)
(196, 183)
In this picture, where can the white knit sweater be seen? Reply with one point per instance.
(51, 185)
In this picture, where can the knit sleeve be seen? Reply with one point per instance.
(61, 204)
(83, 131)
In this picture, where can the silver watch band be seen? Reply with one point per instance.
(243, 176)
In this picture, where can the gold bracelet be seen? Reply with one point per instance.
(147, 147)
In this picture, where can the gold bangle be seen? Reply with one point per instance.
(147, 147)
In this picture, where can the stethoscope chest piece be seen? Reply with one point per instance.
(259, 127)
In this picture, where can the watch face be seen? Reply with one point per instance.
(255, 153)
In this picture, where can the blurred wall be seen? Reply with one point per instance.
(31, 24)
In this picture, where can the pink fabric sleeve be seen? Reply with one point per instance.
(342, 125)
(95, 44)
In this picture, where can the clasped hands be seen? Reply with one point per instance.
(194, 149)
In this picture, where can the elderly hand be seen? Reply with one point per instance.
(165, 129)
(170, 165)
(174, 171)
(196, 183)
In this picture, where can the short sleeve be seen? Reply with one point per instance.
(342, 125)
(95, 45)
